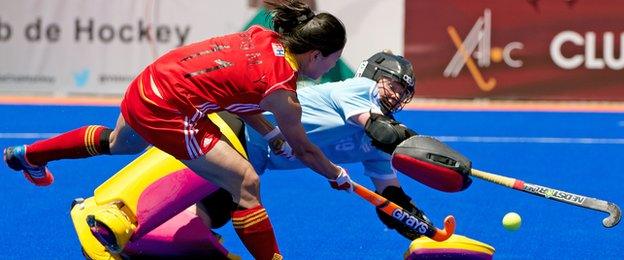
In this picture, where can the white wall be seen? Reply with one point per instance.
(59, 60)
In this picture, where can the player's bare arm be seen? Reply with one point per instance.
(288, 117)
(258, 122)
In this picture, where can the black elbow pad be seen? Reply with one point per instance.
(386, 133)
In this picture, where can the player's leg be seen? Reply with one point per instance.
(124, 140)
(83, 142)
(391, 190)
(382, 183)
(227, 169)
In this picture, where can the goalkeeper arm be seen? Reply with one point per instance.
(385, 132)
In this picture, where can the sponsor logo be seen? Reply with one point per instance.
(278, 49)
(30, 79)
(361, 68)
(92, 30)
(346, 144)
(114, 79)
(477, 45)
(410, 221)
(556, 194)
(409, 80)
(81, 77)
(206, 141)
(589, 59)
(366, 147)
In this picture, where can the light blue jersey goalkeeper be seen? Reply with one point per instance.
(326, 109)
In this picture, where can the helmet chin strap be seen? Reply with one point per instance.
(387, 108)
(384, 109)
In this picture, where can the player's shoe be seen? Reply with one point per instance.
(15, 158)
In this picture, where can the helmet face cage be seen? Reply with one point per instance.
(389, 106)
(393, 67)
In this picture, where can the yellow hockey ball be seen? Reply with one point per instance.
(512, 221)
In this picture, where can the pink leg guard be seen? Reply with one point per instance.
(183, 235)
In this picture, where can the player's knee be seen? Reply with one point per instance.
(251, 181)
(218, 206)
(250, 189)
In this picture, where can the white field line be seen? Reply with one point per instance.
(27, 135)
(449, 139)
(536, 140)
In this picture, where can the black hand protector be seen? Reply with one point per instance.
(386, 133)
(398, 196)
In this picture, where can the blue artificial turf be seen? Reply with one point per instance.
(313, 221)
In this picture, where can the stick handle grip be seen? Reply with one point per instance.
(498, 179)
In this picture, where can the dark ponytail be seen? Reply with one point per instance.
(302, 31)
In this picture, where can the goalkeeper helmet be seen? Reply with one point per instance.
(394, 67)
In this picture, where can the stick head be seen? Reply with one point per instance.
(449, 229)
(614, 215)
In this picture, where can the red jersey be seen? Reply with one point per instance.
(168, 102)
(232, 72)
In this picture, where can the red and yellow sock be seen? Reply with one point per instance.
(255, 230)
(83, 142)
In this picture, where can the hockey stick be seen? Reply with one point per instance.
(413, 222)
(566, 197)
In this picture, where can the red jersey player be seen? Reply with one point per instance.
(244, 73)
(176, 92)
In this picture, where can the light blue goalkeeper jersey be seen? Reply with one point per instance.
(326, 110)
